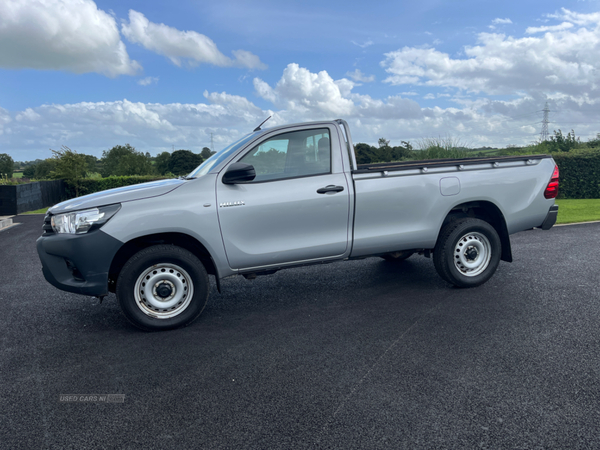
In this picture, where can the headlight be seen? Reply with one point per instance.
(80, 222)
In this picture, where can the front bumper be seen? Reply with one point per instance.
(550, 219)
(78, 263)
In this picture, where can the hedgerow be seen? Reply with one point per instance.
(90, 185)
(579, 174)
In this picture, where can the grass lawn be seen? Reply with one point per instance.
(17, 174)
(571, 211)
(37, 211)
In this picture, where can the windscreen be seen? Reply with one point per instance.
(219, 157)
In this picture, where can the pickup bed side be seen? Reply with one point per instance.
(405, 205)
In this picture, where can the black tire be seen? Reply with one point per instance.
(398, 256)
(162, 287)
(467, 252)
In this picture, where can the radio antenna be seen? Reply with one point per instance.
(258, 127)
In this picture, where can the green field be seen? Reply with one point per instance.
(37, 211)
(573, 211)
(17, 175)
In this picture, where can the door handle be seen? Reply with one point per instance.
(330, 188)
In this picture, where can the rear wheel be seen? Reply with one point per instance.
(162, 287)
(467, 252)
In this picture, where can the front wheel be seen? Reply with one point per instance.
(467, 252)
(162, 287)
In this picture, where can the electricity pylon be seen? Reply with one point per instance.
(544, 133)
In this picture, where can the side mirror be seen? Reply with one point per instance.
(239, 173)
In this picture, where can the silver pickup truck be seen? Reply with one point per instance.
(289, 196)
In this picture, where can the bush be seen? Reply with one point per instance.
(183, 162)
(7, 165)
(125, 160)
(579, 174)
(89, 186)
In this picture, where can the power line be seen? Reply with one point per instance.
(534, 113)
(575, 123)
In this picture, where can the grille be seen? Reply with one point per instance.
(47, 227)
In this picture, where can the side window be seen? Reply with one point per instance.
(289, 155)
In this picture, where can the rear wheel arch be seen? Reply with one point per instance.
(182, 240)
(488, 212)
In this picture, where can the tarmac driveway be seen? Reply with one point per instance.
(362, 354)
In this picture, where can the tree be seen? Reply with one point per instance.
(382, 142)
(558, 142)
(206, 153)
(594, 142)
(69, 165)
(6, 165)
(364, 153)
(125, 160)
(183, 162)
(161, 162)
(29, 172)
(41, 169)
(91, 164)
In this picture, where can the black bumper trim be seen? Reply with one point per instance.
(550, 219)
(91, 254)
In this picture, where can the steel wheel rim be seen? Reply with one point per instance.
(163, 291)
(472, 254)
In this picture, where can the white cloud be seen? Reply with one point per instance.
(563, 60)
(148, 81)
(92, 127)
(360, 77)
(363, 44)
(28, 115)
(576, 18)
(299, 95)
(429, 96)
(70, 35)
(5, 119)
(302, 91)
(499, 21)
(183, 46)
(543, 29)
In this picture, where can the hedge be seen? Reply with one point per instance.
(579, 174)
(91, 185)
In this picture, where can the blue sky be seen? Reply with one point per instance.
(164, 75)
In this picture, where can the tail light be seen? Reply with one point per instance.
(552, 188)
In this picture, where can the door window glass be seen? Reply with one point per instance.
(289, 155)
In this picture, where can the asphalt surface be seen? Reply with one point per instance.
(361, 354)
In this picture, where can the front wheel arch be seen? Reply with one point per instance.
(182, 240)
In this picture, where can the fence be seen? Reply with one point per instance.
(31, 196)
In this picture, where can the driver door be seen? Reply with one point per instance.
(296, 209)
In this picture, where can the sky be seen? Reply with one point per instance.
(192, 74)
